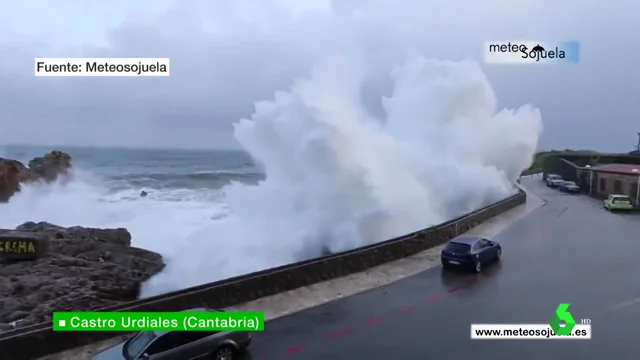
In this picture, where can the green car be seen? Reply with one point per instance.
(618, 202)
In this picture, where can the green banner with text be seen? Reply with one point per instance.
(158, 321)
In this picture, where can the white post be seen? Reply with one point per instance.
(638, 190)
(637, 186)
(590, 179)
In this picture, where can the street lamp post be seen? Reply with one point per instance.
(637, 185)
(590, 180)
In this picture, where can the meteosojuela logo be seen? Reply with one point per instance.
(537, 52)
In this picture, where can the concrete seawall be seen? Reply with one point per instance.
(40, 340)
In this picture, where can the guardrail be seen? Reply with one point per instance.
(39, 340)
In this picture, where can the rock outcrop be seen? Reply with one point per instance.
(47, 168)
(84, 269)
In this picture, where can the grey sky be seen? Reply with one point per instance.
(227, 54)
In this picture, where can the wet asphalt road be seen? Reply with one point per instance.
(569, 250)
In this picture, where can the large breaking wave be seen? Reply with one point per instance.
(337, 177)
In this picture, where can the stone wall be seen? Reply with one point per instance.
(39, 340)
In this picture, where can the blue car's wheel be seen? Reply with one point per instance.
(478, 267)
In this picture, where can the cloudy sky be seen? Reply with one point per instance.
(227, 54)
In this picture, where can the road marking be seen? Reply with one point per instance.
(295, 349)
(410, 308)
(562, 211)
(624, 304)
(376, 321)
(340, 333)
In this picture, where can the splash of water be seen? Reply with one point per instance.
(337, 177)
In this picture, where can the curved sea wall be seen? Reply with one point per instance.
(39, 340)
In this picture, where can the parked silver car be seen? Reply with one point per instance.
(554, 180)
(179, 345)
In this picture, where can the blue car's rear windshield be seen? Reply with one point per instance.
(457, 247)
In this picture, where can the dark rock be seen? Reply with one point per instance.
(12, 173)
(39, 227)
(143, 193)
(14, 316)
(85, 269)
(51, 165)
(48, 168)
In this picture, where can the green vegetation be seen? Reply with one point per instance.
(538, 160)
(536, 165)
(581, 158)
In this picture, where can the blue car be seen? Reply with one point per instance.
(470, 252)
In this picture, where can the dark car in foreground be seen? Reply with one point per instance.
(179, 345)
(569, 187)
(470, 252)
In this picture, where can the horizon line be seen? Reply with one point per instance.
(124, 147)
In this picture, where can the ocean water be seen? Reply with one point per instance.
(318, 173)
(168, 174)
(185, 193)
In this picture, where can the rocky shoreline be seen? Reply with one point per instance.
(46, 267)
(50, 167)
(84, 269)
